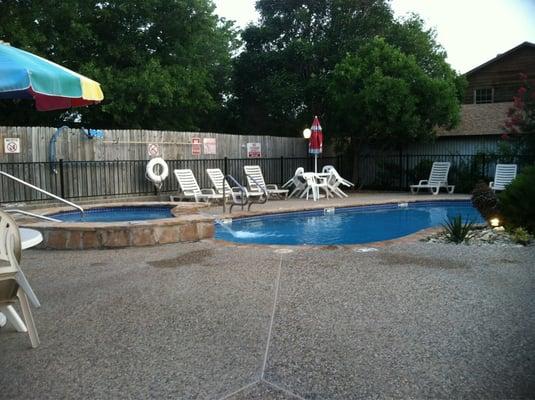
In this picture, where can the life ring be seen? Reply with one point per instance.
(157, 179)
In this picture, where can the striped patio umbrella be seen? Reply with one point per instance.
(315, 144)
(25, 76)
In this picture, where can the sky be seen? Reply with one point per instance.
(471, 31)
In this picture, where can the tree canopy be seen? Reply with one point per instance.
(161, 63)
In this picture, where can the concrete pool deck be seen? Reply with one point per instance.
(208, 320)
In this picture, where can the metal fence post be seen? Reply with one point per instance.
(225, 166)
(282, 171)
(61, 178)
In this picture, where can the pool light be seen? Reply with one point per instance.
(494, 222)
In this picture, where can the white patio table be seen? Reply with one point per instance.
(28, 238)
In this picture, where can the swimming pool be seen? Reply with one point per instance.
(115, 214)
(352, 225)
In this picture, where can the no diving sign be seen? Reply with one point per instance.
(153, 150)
(11, 145)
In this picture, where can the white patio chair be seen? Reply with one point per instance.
(297, 182)
(438, 178)
(190, 188)
(13, 284)
(218, 180)
(334, 181)
(256, 179)
(504, 175)
(313, 186)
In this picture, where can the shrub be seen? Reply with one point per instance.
(485, 200)
(517, 201)
(520, 235)
(456, 231)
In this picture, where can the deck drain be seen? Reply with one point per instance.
(365, 249)
(283, 251)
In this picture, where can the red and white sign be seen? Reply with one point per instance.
(195, 146)
(209, 145)
(153, 150)
(11, 145)
(254, 150)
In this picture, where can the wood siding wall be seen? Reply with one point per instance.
(503, 75)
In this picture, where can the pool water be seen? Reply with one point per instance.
(115, 214)
(363, 224)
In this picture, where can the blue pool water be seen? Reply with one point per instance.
(115, 214)
(353, 225)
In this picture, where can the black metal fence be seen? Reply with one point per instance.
(86, 179)
(398, 171)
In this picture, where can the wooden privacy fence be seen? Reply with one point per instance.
(85, 179)
(72, 144)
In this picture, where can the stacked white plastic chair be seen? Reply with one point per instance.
(13, 284)
(313, 186)
(504, 175)
(190, 188)
(256, 182)
(438, 178)
(297, 182)
(334, 181)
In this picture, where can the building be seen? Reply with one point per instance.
(488, 96)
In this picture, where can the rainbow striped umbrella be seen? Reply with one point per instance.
(25, 76)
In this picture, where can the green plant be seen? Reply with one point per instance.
(521, 236)
(517, 201)
(456, 231)
(485, 200)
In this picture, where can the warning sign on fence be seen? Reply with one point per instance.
(209, 145)
(254, 150)
(11, 145)
(195, 146)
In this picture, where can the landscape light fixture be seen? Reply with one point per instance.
(306, 133)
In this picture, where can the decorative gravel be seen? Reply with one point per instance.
(482, 236)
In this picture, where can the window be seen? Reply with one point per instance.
(483, 95)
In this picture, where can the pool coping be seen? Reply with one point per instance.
(187, 225)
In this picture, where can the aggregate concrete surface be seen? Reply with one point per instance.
(216, 321)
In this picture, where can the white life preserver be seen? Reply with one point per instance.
(155, 178)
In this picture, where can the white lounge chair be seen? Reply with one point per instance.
(297, 182)
(334, 181)
(190, 188)
(13, 284)
(504, 175)
(313, 186)
(438, 178)
(255, 180)
(218, 180)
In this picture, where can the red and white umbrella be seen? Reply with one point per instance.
(315, 144)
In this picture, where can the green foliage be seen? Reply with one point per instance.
(162, 64)
(485, 201)
(521, 236)
(466, 173)
(456, 231)
(382, 96)
(517, 201)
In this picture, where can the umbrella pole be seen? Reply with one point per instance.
(315, 163)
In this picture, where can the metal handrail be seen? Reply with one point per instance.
(14, 178)
(14, 211)
(242, 190)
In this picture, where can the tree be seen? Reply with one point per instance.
(382, 96)
(163, 64)
(519, 127)
(281, 77)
